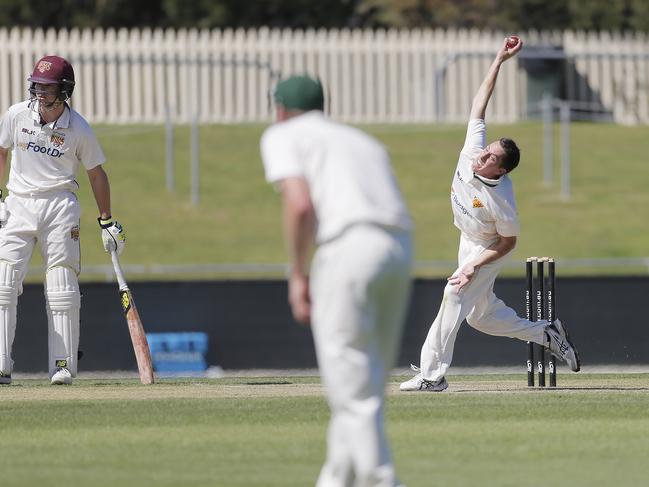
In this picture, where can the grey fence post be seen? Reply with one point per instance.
(564, 115)
(548, 156)
(194, 151)
(169, 139)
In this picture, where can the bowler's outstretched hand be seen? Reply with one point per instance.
(507, 51)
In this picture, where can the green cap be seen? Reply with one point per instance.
(300, 93)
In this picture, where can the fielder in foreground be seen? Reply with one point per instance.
(484, 209)
(339, 192)
(50, 142)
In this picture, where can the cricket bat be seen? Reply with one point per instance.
(135, 328)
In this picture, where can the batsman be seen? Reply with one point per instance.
(49, 143)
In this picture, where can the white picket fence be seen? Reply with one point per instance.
(394, 76)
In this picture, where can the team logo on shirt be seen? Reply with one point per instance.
(57, 139)
(44, 66)
(477, 203)
(31, 146)
(74, 233)
(461, 206)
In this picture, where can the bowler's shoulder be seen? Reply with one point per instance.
(504, 191)
(506, 184)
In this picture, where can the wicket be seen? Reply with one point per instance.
(545, 300)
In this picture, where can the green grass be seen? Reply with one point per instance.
(238, 217)
(248, 432)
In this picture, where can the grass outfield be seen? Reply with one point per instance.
(266, 432)
(238, 218)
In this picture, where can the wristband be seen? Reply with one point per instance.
(105, 222)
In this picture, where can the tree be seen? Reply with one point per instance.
(504, 15)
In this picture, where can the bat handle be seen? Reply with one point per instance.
(118, 271)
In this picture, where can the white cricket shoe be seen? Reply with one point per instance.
(563, 331)
(5, 379)
(560, 345)
(418, 383)
(62, 376)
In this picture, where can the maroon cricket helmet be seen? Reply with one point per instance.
(51, 70)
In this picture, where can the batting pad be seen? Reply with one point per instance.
(63, 302)
(8, 300)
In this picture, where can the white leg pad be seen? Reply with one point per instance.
(63, 303)
(8, 300)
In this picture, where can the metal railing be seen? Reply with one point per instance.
(256, 270)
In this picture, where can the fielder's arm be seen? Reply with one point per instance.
(101, 189)
(482, 97)
(299, 232)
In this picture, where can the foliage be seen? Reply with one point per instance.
(508, 15)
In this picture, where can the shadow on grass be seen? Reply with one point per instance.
(551, 389)
(267, 383)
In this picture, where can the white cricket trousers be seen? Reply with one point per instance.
(481, 308)
(50, 221)
(360, 288)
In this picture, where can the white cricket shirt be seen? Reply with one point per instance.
(47, 158)
(482, 208)
(348, 172)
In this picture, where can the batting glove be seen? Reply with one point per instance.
(112, 235)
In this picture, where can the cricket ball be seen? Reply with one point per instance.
(512, 41)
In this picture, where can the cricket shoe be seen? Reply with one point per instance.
(560, 345)
(62, 376)
(5, 379)
(418, 383)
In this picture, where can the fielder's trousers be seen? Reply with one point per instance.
(360, 286)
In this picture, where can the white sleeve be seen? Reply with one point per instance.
(89, 151)
(280, 155)
(7, 130)
(507, 223)
(473, 144)
(476, 134)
